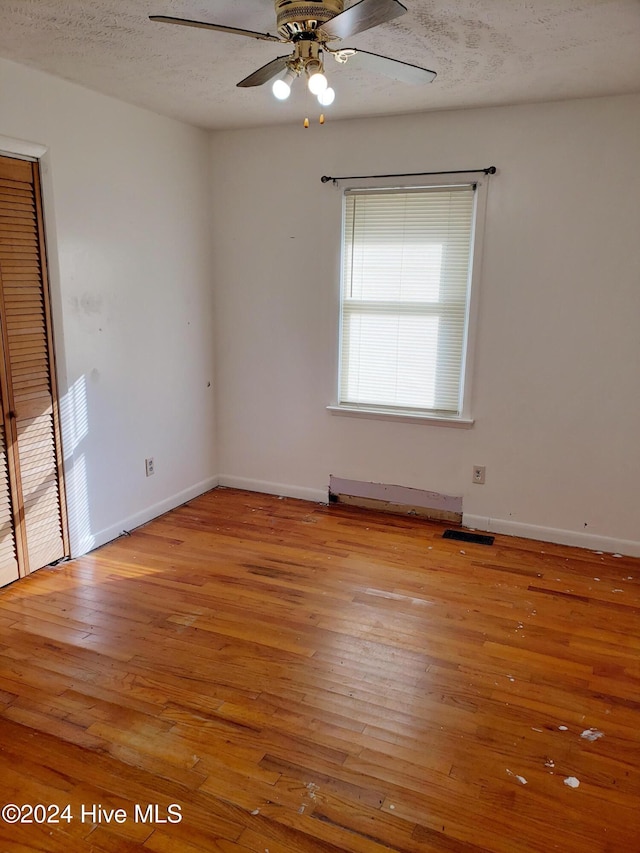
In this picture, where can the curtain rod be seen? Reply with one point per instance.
(491, 170)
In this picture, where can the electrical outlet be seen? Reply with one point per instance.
(479, 474)
(148, 465)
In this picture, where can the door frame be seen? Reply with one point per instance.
(38, 153)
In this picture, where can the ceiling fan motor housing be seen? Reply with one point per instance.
(296, 18)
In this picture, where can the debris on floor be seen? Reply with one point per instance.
(591, 734)
(520, 779)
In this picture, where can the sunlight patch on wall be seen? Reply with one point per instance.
(74, 419)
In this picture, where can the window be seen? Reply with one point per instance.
(405, 307)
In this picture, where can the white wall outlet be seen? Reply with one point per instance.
(479, 474)
(148, 466)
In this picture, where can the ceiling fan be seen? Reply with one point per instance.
(309, 27)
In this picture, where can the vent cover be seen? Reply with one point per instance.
(462, 536)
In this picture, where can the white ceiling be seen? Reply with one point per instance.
(486, 52)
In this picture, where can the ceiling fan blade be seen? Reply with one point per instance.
(266, 73)
(362, 16)
(395, 68)
(203, 25)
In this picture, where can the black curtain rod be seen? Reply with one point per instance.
(491, 170)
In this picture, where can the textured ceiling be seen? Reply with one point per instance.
(486, 52)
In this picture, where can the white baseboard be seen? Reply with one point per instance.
(151, 512)
(573, 538)
(591, 541)
(305, 494)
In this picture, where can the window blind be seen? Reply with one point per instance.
(406, 274)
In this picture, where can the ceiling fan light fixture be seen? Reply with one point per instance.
(281, 90)
(315, 72)
(317, 83)
(308, 26)
(282, 86)
(327, 97)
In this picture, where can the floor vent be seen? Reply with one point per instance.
(462, 536)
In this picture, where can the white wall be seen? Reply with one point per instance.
(557, 365)
(128, 219)
(130, 213)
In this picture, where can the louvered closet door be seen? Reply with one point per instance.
(8, 553)
(31, 421)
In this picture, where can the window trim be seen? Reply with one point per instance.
(464, 418)
(406, 416)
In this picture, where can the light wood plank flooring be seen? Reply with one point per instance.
(300, 678)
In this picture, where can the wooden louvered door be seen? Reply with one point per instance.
(8, 551)
(32, 508)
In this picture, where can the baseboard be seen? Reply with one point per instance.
(591, 541)
(280, 489)
(577, 539)
(151, 512)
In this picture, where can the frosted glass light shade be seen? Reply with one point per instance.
(317, 83)
(327, 97)
(281, 90)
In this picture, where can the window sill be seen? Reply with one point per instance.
(408, 417)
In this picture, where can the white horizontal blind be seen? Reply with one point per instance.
(406, 274)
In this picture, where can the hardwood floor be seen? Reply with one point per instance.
(300, 678)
